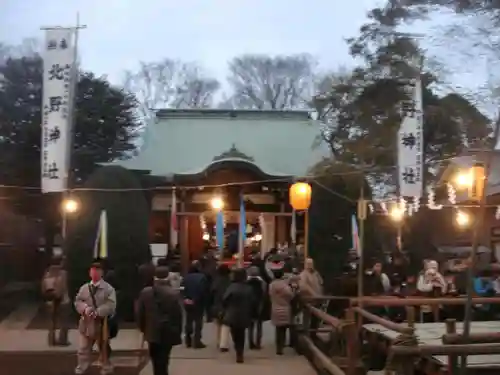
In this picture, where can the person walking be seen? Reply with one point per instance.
(259, 289)
(237, 304)
(281, 295)
(221, 282)
(55, 294)
(95, 302)
(159, 316)
(311, 286)
(195, 293)
(174, 276)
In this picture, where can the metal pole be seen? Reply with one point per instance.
(481, 210)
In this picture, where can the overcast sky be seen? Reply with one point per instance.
(120, 33)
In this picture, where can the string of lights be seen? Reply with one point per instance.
(310, 177)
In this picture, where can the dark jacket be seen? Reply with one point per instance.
(259, 290)
(219, 287)
(159, 313)
(146, 274)
(195, 288)
(237, 303)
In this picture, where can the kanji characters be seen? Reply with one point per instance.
(51, 44)
(53, 171)
(59, 72)
(54, 134)
(409, 140)
(55, 103)
(409, 175)
(408, 108)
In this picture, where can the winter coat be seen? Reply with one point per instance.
(195, 289)
(281, 295)
(159, 313)
(237, 304)
(259, 289)
(219, 287)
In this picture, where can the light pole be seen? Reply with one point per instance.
(300, 200)
(397, 214)
(69, 207)
(474, 180)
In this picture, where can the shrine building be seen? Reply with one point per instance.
(199, 154)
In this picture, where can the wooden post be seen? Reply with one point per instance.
(410, 316)
(351, 341)
(451, 328)
(306, 235)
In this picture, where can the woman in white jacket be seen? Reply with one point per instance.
(428, 281)
(431, 278)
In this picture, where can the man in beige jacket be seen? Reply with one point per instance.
(95, 302)
(311, 286)
(311, 282)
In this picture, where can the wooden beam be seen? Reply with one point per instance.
(188, 213)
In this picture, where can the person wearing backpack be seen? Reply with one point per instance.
(159, 316)
(55, 294)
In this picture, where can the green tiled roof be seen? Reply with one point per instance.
(188, 141)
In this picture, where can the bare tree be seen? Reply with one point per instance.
(28, 48)
(170, 84)
(265, 82)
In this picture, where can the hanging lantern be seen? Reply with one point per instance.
(300, 196)
(476, 190)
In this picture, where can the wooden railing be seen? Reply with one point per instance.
(335, 346)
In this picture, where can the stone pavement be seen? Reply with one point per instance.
(184, 360)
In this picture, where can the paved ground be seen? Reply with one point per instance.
(25, 352)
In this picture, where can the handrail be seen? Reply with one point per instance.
(416, 301)
(326, 362)
(327, 318)
(384, 322)
(428, 350)
(474, 338)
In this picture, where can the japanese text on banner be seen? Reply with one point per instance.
(58, 60)
(410, 143)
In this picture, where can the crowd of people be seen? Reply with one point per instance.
(172, 309)
(431, 282)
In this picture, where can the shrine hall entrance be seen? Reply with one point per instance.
(265, 199)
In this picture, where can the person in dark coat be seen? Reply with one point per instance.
(221, 283)
(208, 264)
(146, 274)
(259, 288)
(237, 303)
(159, 315)
(195, 295)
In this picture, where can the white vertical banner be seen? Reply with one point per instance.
(58, 61)
(410, 143)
